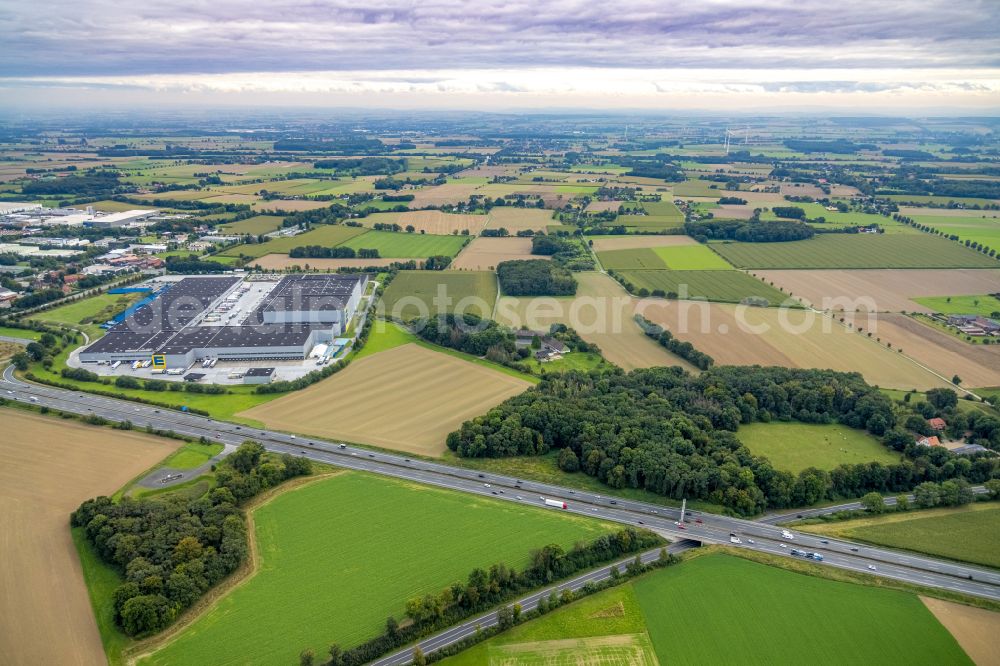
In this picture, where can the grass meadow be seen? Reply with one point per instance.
(481, 286)
(259, 224)
(795, 446)
(973, 532)
(328, 235)
(340, 555)
(856, 251)
(718, 609)
(88, 314)
(691, 258)
(393, 244)
(984, 305)
(725, 610)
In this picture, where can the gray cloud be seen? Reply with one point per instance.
(101, 37)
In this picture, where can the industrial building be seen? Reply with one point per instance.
(228, 319)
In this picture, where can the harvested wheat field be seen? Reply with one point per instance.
(407, 398)
(600, 206)
(280, 262)
(977, 365)
(430, 221)
(47, 467)
(638, 241)
(515, 219)
(483, 254)
(975, 629)
(880, 290)
(601, 312)
(289, 205)
(439, 195)
(733, 211)
(739, 335)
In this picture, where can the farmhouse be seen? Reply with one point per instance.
(929, 441)
(224, 318)
(550, 348)
(937, 423)
(975, 325)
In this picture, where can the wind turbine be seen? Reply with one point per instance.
(729, 134)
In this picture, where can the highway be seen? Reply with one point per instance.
(705, 527)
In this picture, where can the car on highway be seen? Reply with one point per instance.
(872, 567)
(698, 520)
(823, 541)
(853, 549)
(342, 446)
(487, 485)
(293, 436)
(751, 541)
(783, 545)
(518, 497)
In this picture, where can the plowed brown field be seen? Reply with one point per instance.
(47, 467)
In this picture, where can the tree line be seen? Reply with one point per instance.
(171, 550)
(485, 588)
(748, 231)
(665, 431)
(682, 348)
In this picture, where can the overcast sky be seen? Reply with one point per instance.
(699, 54)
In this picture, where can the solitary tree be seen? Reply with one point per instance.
(873, 503)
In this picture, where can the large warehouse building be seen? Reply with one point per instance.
(226, 318)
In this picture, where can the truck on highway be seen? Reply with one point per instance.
(559, 504)
(734, 539)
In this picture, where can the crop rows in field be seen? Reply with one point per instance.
(724, 286)
(856, 251)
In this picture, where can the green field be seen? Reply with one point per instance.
(718, 609)
(340, 555)
(102, 581)
(985, 230)
(838, 219)
(19, 333)
(613, 612)
(984, 305)
(725, 610)
(727, 286)
(327, 235)
(191, 455)
(691, 258)
(972, 532)
(795, 446)
(473, 292)
(393, 244)
(88, 314)
(856, 251)
(257, 225)
(637, 259)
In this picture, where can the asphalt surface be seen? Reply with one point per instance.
(528, 603)
(704, 527)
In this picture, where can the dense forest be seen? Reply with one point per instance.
(671, 433)
(172, 549)
(535, 277)
(748, 231)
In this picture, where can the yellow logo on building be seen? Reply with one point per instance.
(159, 361)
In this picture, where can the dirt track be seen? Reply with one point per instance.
(47, 467)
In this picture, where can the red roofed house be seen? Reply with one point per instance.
(937, 423)
(929, 441)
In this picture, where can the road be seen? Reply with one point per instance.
(462, 631)
(704, 527)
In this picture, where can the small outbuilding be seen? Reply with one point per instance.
(259, 376)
